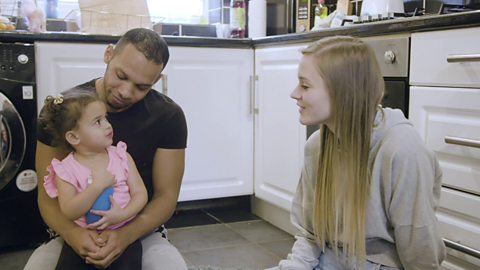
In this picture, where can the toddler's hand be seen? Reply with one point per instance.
(103, 178)
(109, 218)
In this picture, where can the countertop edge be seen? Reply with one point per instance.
(408, 25)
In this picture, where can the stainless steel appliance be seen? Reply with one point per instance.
(304, 15)
(280, 17)
(414, 9)
(20, 220)
(392, 57)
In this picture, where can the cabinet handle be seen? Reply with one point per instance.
(164, 84)
(452, 58)
(253, 79)
(462, 141)
(462, 248)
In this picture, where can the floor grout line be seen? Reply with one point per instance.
(212, 216)
(279, 259)
(239, 245)
(255, 243)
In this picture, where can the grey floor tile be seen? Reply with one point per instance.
(204, 237)
(251, 256)
(190, 218)
(227, 215)
(280, 248)
(15, 260)
(259, 231)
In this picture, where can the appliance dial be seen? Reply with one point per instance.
(22, 59)
(389, 57)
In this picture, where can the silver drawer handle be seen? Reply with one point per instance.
(462, 141)
(459, 247)
(452, 58)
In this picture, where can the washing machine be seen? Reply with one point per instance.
(20, 220)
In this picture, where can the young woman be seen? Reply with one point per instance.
(77, 120)
(369, 189)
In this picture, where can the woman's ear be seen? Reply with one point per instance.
(72, 138)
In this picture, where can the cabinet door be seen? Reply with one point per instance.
(448, 119)
(212, 87)
(60, 66)
(279, 136)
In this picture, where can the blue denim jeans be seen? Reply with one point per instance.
(328, 261)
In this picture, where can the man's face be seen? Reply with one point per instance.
(128, 78)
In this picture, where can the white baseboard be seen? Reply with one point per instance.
(272, 214)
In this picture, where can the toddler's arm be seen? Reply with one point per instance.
(138, 200)
(75, 205)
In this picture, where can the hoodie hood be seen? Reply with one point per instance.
(385, 119)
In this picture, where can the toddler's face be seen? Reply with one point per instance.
(94, 130)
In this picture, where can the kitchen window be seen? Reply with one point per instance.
(185, 11)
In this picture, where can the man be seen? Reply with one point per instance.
(154, 129)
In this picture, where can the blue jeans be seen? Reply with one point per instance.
(328, 261)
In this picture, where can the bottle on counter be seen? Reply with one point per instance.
(51, 8)
(237, 18)
(321, 10)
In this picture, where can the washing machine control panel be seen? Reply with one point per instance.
(22, 59)
(16, 61)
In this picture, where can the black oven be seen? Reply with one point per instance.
(393, 57)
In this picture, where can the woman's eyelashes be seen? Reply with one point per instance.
(304, 86)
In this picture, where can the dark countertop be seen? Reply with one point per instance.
(407, 25)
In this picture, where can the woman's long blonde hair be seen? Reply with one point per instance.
(351, 73)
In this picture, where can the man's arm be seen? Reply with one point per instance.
(168, 168)
(50, 209)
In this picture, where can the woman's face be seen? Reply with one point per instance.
(312, 95)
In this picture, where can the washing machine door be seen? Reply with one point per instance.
(12, 141)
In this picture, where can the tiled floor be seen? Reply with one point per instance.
(228, 238)
(224, 237)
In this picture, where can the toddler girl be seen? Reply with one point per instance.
(77, 121)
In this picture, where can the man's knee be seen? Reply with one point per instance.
(46, 256)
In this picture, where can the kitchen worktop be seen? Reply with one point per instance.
(400, 25)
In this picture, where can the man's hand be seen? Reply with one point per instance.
(112, 244)
(83, 241)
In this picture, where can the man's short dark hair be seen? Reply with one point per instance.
(148, 42)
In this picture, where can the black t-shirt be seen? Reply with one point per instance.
(154, 122)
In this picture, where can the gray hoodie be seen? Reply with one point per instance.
(400, 223)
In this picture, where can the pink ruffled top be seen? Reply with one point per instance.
(76, 174)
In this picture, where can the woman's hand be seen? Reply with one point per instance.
(111, 217)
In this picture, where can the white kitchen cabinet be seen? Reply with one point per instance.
(445, 110)
(60, 66)
(212, 86)
(279, 136)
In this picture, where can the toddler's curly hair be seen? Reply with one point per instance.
(62, 113)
